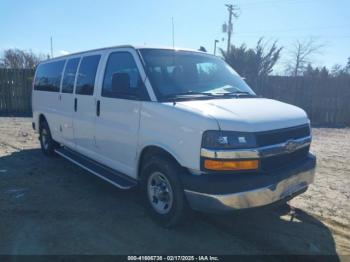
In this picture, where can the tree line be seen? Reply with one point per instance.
(20, 59)
(261, 60)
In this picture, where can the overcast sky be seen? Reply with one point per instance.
(78, 25)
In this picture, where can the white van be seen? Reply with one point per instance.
(180, 124)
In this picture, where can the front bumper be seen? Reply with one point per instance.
(283, 185)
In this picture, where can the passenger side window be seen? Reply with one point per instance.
(87, 75)
(122, 78)
(69, 75)
(48, 76)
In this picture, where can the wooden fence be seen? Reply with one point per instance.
(326, 100)
(15, 91)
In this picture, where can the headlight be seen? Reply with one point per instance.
(221, 140)
(227, 140)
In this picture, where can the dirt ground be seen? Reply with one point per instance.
(50, 206)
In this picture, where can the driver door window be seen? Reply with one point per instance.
(122, 78)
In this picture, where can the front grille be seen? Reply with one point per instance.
(281, 161)
(281, 135)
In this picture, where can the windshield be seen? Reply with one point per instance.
(183, 73)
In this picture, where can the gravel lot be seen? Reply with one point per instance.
(50, 206)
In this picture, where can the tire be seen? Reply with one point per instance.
(47, 144)
(163, 192)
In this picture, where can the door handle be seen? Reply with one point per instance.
(98, 105)
(75, 104)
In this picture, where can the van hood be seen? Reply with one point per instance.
(248, 114)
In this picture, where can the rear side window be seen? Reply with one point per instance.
(87, 75)
(122, 78)
(69, 75)
(48, 76)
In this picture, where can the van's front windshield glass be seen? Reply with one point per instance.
(191, 75)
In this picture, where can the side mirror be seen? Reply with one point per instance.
(120, 83)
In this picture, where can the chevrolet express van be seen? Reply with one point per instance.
(180, 124)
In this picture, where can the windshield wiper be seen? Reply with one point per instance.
(236, 94)
(194, 94)
(189, 94)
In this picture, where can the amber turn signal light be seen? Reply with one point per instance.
(232, 165)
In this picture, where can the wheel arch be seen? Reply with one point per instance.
(150, 150)
(42, 118)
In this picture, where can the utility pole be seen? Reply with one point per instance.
(231, 12)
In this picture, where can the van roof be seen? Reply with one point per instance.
(121, 46)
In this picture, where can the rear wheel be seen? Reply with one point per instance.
(163, 191)
(48, 145)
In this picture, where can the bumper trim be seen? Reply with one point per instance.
(252, 198)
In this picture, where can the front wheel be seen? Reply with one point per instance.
(163, 191)
(47, 144)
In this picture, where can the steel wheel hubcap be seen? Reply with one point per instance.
(160, 193)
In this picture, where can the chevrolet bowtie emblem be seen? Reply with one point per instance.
(291, 146)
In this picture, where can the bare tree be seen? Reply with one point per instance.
(301, 55)
(337, 70)
(16, 58)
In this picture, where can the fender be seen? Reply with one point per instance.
(165, 147)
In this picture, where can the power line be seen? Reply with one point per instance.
(293, 29)
(297, 36)
(250, 4)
